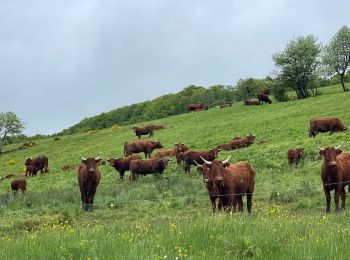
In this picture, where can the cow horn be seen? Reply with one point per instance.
(205, 161)
(197, 163)
(83, 158)
(338, 147)
(98, 157)
(228, 158)
(321, 149)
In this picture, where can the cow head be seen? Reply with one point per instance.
(163, 162)
(213, 153)
(91, 163)
(28, 161)
(330, 155)
(157, 144)
(301, 151)
(180, 148)
(217, 170)
(207, 176)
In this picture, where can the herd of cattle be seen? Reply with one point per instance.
(226, 183)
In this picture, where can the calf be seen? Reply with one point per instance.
(144, 167)
(335, 174)
(19, 184)
(122, 164)
(31, 170)
(295, 155)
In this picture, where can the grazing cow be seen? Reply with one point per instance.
(251, 102)
(19, 184)
(233, 182)
(196, 107)
(226, 104)
(122, 164)
(88, 179)
(149, 166)
(263, 98)
(142, 131)
(295, 155)
(210, 185)
(335, 174)
(31, 170)
(41, 162)
(321, 125)
(146, 147)
(196, 155)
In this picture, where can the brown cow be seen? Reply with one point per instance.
(233, 182)
(210, 185)
(335, 174)
(88, 179)
(237, 142)
(251, 102)
(146, 147)
(31, 170)
(19, 184)
(321, 125)
(295, 155)
(196, 155)
(142, 131)
(179, 148)
(122, 164)
(41, 162)
(149, 166)
(70, 167)
(263, 98)
(196, 107)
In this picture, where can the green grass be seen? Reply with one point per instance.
(159, 216)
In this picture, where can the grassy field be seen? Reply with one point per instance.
(169, 216)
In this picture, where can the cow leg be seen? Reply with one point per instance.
(336, 198)
(327, 193)
(342, 194)
(187, 167)
(219, 204)
(249, 202)
(213, 204)
(240, 203)
(121, 174)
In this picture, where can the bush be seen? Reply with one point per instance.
(11, 162)
(115, 127)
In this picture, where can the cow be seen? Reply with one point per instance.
(146, 147)
(18, 184)
(335, 174)
(263, 98)
(210, 185)
(233, 181)
(31, 170)
(154, 127)
(226, 104)
(251, 102)
(195, 155)
(321, 125)
(179, 148)
(70, 167)
(148, 166)
(41, 162)
(88, 178)
(122, 164)
(142, 131)
(196, 107)
(244, 142)
(295, 155)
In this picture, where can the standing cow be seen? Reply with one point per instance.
(263, 98)
(295, 155)
(88, 178)
(144, 167)
(41, 163)
(19, 184)
(190, 156)
(321, 125)
(142, 131)
(335, 174)
(144, 146)
(122, 164)
(233, 181)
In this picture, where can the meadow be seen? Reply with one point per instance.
(170, 216)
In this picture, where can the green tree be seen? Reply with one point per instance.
(336, 56)
(10, 124)
(248, 88)
(297, 65)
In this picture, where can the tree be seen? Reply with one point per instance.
(336, 56)
(248, 88)
(10, 124)
(297, 64)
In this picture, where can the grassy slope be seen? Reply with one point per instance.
(175, 211)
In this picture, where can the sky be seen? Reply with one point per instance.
(62, 61)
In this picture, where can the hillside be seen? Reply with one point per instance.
(170, 216)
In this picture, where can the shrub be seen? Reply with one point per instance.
(115, 127)
(11, 162)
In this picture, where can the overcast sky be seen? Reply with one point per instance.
(61, 61)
